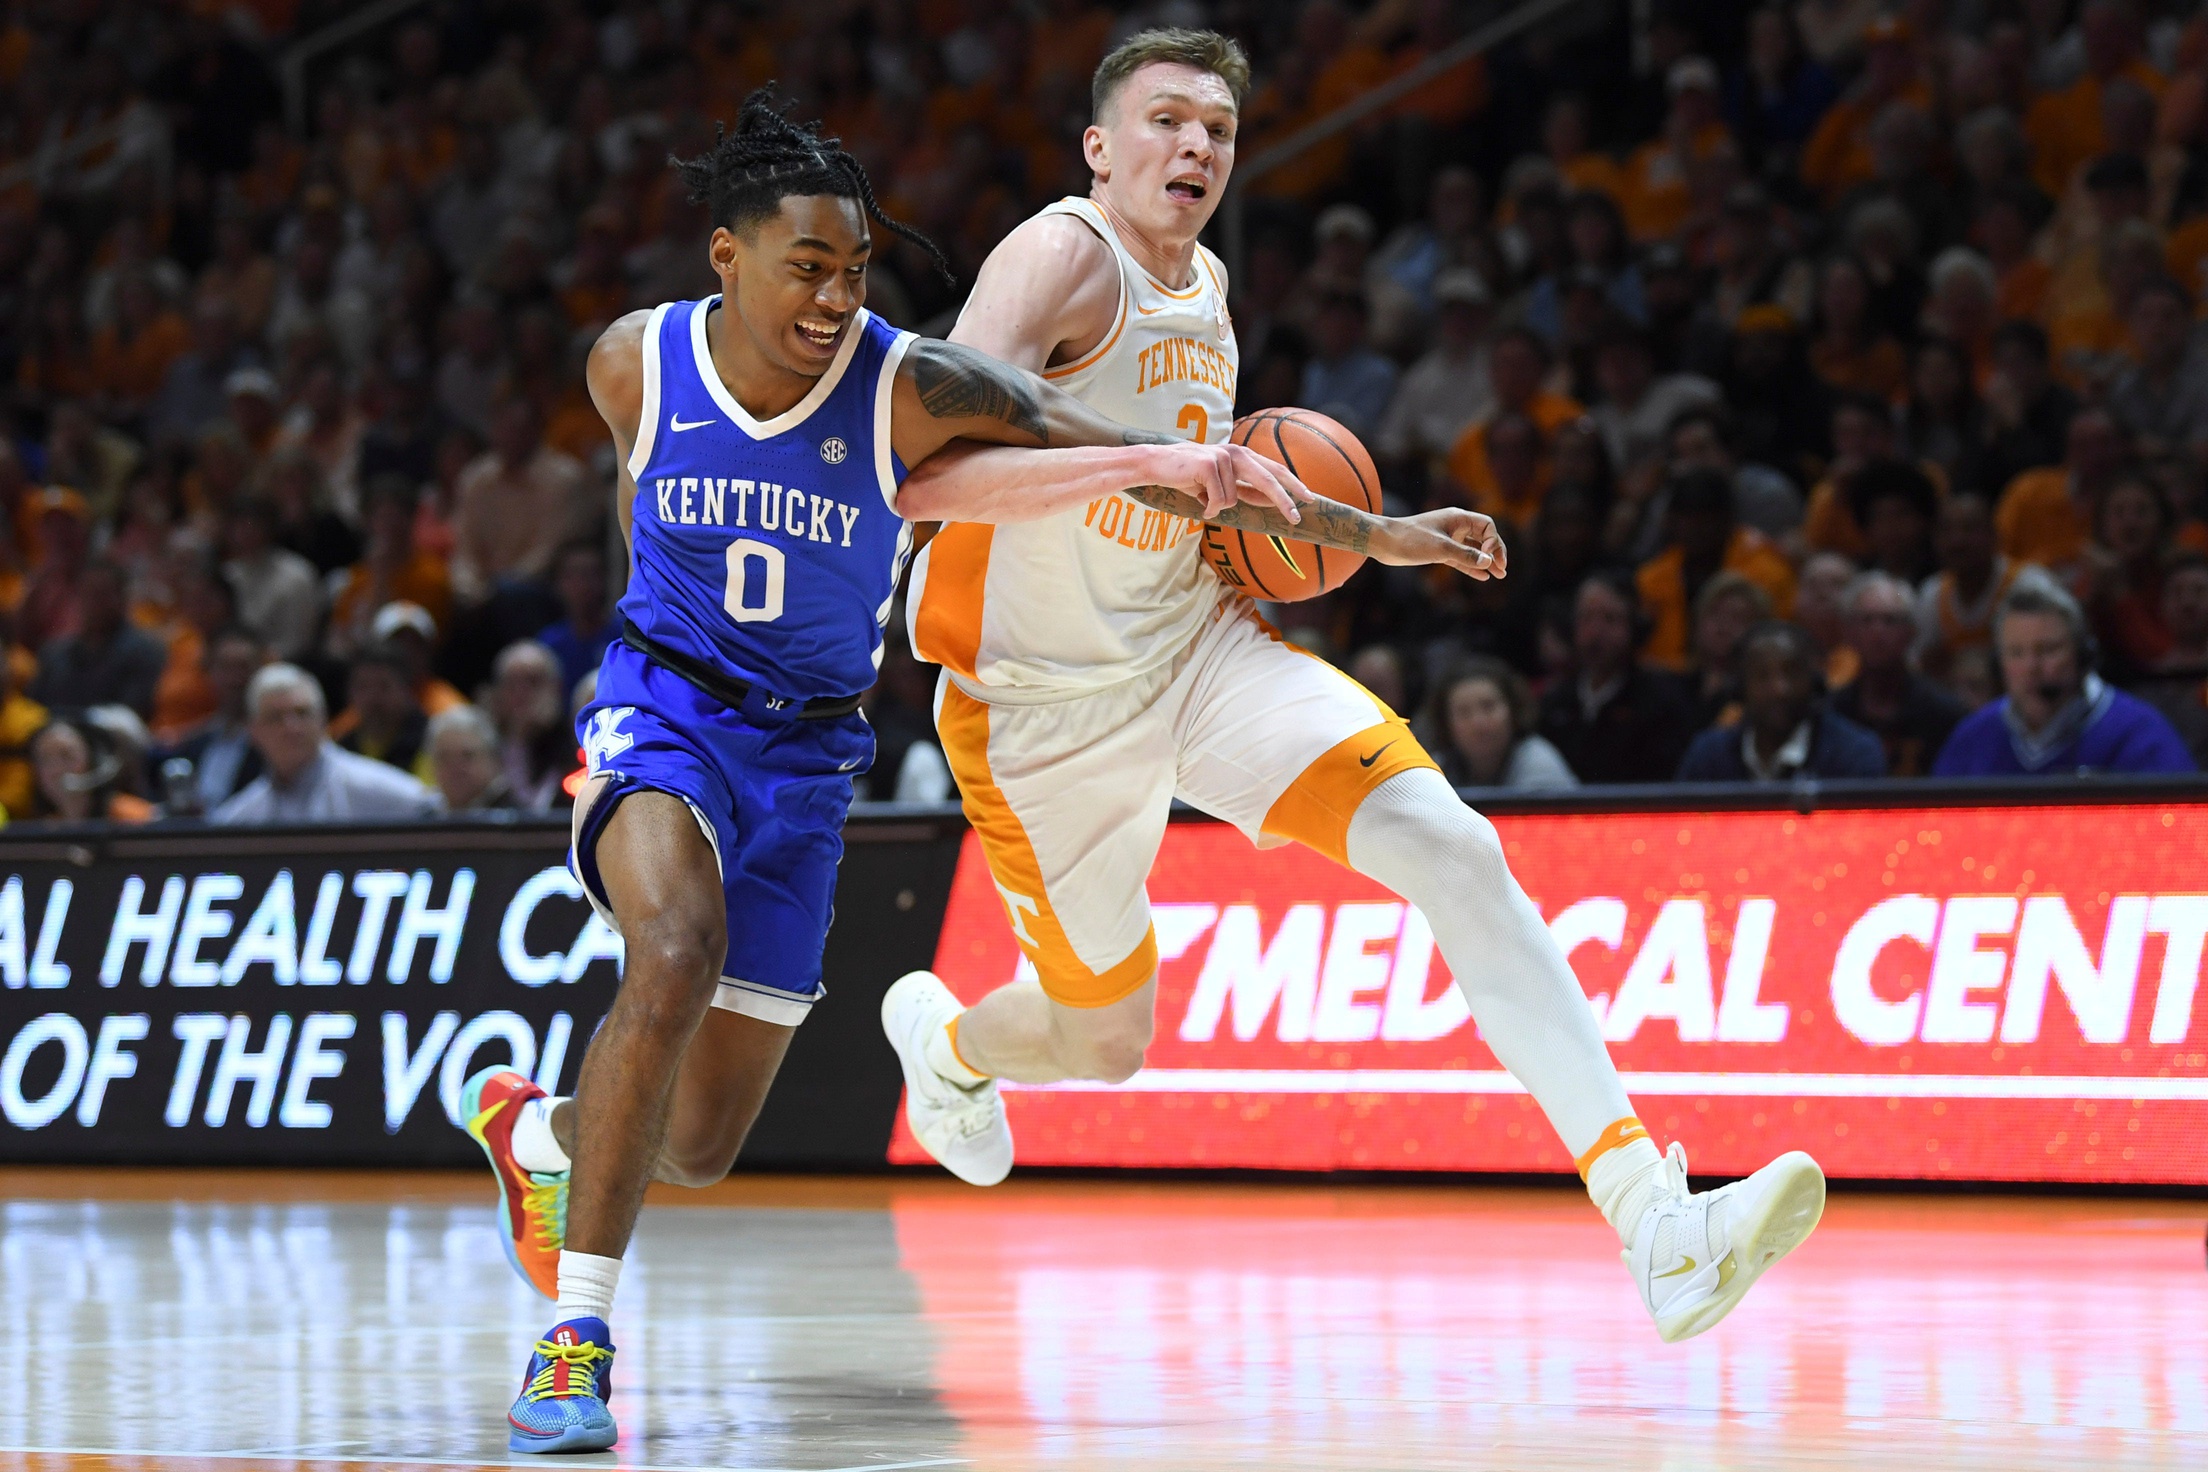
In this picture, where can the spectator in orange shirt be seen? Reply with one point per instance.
(2065, 127)
(1518, 462)
(2133, 526)
(1564, 137)
(2002, 229)
(1517, 366)
(132, 352)
(205, 604)
(62, 525)
(393, 568)
(1838, 155)
(20, 719)
(1451, 98)
(2046, 515)
(1657, 182)
(1703, 539)
(1955, 605)
(1851, 352)
(2092, 286)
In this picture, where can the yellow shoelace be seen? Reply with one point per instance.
(578, 1357)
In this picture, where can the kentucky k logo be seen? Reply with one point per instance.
(604, 739)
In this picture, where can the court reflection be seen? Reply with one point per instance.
(1302, 1329)
(904, 1323)
(769, 1338)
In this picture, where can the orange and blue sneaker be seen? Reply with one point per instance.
(562, 1405)
(532, 1205)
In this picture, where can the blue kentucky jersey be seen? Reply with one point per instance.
(770, 550)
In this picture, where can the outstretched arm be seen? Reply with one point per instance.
(959, 393)
(1452, 536)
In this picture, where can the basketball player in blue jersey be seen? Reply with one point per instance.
(766, 434)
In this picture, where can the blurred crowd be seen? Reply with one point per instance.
(1834, 367)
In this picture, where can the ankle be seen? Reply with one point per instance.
(1621, 1174)
(587, 1282)
(536, 1141)
(943, 1055)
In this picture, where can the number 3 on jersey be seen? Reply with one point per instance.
(1194, 423)
(742, 554)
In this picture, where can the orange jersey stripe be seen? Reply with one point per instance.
(948, 629)
(1095, 354)
(963, 724)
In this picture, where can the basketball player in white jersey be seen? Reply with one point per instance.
(1094, 669)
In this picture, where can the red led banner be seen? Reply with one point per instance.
(1971, 993)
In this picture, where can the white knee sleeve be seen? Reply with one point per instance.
(1414, 835)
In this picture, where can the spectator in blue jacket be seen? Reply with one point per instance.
(2057, 716)
(1786, 729)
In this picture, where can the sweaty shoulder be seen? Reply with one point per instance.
(615, 374)
(1047, 294)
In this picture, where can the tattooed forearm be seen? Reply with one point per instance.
(956, 382)
(1328, 523)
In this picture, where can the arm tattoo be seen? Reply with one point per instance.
(1327, 523)
(956, 382)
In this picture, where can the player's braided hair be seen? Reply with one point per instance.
(744, 177)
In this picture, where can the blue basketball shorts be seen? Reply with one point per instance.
(771, 797)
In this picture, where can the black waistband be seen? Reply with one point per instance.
(734, 693)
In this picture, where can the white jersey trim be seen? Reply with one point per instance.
(885, 386)
(798, 413)
(647, 426)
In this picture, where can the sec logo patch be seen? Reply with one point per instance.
(833, 450)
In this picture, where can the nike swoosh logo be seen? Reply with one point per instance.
(1280, 545)
(678, 426)
(1148, 311)
(1686, 1265)
(1366, 761)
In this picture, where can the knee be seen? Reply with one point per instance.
(674, 960)
(696, 1163)
(1455, 838)
(1111, 1054)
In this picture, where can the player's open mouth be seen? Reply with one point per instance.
(819, 334)
(1189, 190)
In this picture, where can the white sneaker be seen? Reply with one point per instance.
(1695, 1256)
(964, 1128)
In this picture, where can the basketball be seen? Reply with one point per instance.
(1329, 460)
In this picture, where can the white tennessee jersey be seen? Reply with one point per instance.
(1045, 609)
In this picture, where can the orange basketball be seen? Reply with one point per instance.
(1327, 459)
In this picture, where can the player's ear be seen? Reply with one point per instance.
(721, 252)
(1096, 150)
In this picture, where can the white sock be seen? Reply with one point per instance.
(1416, 836)
(1622, 1182)
(536, 1148)
(587, 1284)
(943, 1057)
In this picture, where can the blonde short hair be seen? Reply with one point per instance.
(1209, 51)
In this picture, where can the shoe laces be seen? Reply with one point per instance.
(544, 1203)
(580, 1361)
(974, 1112)
(1671, 1179)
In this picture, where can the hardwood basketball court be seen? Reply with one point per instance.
(163, 1320)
